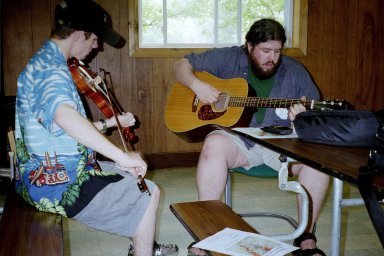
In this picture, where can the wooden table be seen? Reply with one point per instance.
(205, 218)
(340, 162)
(344, 163)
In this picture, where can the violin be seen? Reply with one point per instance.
(93, 86)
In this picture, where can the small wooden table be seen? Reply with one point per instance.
(205, 218)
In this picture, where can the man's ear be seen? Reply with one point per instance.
(77, 34)
(249, 46)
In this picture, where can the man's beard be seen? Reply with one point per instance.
(258, 69)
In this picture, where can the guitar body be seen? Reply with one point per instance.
(192, 120)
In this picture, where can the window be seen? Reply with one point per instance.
(172, 28)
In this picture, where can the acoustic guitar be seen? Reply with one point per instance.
(192, 121)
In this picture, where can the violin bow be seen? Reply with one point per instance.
(141, 182)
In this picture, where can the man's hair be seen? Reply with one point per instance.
(265, 29)
(63, 32)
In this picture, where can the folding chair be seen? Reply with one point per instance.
(264, 171)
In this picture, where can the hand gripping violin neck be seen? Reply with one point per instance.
(93, 86)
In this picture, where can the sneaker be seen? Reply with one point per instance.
(130, 250)
(160, 250)
(165, 250)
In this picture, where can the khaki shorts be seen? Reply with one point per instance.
(257, 155)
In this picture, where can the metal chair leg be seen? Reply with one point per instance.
(285, 185)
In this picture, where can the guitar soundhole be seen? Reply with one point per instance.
(206, 113)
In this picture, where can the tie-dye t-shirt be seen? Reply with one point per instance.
(55, 173)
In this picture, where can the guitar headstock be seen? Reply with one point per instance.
(330, 105)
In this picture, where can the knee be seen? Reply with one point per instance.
(296, 169)
(156, 191)
(214, 142)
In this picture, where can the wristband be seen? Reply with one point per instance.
(105, 127)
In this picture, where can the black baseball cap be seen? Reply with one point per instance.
(86, 15)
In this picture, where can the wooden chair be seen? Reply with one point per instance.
(263, 171)
(9, 172)
(25, 230)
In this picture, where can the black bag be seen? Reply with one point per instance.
(339, 127)
(377, 151)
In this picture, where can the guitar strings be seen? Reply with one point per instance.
(265, 102)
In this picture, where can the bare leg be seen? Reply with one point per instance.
(219, 153)
(316, 184)
(145, 234)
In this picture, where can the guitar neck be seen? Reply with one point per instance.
(259, 102)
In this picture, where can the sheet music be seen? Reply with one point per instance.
(240, 243)
(258, 133)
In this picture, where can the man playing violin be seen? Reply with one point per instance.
(56, 143)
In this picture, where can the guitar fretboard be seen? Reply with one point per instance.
(259, 102)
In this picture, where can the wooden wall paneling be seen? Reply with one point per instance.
(125, 71)
(378, 101)
(327, 48)
(108, 58)
(172, 141)
(141, 103)
(40, 24)
(366, 54)
(315, 33)
(189, 147)
(124, 91)
(338, 67)
(116, 70)
(162, 77)
(52, 9)
(17, 38)
(351, 45)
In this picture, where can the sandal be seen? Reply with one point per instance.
(191, 253)
(307, 252)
